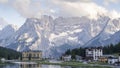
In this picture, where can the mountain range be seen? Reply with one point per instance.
(55, 35)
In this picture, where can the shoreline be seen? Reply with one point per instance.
(76, 64)
(70, 63)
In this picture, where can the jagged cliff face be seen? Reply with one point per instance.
(32, 35)
(6, 33)
(54, 36)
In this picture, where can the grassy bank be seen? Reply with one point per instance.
(74, 64)
(1, 63)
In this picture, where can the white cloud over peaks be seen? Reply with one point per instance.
(77, 0)
(82, 8)
(2, 23)
(114, 14)
(27, 8)
(3, 1)
(108, 2)
(68, 8)
(65, 8)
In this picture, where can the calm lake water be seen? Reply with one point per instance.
(34, 66)
(41, 66)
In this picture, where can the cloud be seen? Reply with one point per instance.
(114, 14)
(3, 1)
(31, 8)
(108, 2)
(78, 0)
(68, 8)
(2, 23)
(65, 8)
(22, 7)
(27, 8)
(81, 8)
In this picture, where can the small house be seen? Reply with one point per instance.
(66, 58)
(104, 58)
(78, 58)
(112, 60)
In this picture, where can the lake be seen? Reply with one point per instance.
(17, 65)
(34, 66)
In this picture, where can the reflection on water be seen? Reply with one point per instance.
(9, 66)
(30, 66)
(33, 66)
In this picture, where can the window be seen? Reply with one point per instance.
(37, 55)
(33, 55)
(23, 55)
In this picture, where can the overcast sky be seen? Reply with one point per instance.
(16, 11)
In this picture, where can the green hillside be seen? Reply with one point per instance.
(9, 53)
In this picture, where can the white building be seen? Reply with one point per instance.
(3, 60)
(94, 53)
(112, 60)
(78, 58)
(66, 58)
(119, 58)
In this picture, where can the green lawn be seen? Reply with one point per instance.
(100, 63)
(76, 64)
(1, 63)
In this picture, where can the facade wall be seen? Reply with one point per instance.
(119, 58)
(32, 55)
(95, 53)
(112, 61)
(103, 59)
(66, 58)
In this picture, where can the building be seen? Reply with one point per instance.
(66, 58)
(78, 58)
(32, 55)
(112, 60)
(103, 59)
(119, 58)
(94, 53)
(3, 60)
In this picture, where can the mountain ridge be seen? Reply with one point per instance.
(50, 35)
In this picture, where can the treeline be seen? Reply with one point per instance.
(74, 52)
(110, 49)
(9, 53)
